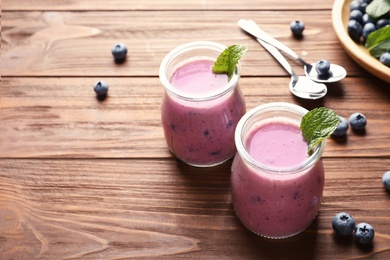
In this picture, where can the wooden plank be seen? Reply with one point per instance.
(61, 117)
(132, 5)
(79, 43)
(101, 209)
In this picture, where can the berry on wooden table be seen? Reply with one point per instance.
(101, 88)
(386, 180)
(343, 223)
(297, 28)
(342, 128)
(364, 233)
(357, 121)
(119, 51)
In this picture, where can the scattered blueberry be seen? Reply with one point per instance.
(367, 29)
(101, 88)
(357, 121)
(343, 224)
(322, 67)
(342, 128)
(119, 51)
(297, 28)
(354, 30)
(386, 180)
(385, 58)
(364, 233)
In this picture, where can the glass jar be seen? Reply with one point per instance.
(281, 200)
(199, 125)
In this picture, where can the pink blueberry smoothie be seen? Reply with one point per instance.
(201, 132)
(271, 203)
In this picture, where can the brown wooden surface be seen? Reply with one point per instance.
(88, 179)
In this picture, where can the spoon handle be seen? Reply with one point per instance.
(278, 56)
(252, 28)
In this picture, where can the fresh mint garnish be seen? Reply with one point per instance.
(317, 125)
(378, 8)
(378, 41)
(228, 59)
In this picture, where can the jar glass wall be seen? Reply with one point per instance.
(272, 200)
(199, 125)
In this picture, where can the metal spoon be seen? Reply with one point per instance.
(335, 74)
(300, 86)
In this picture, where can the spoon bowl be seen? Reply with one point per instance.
(336, 72)
(300, 86)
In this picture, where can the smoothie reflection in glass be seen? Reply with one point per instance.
(200, 110)
(276, 185)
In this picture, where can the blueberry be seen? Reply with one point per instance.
(367, 29)
(385, 58)
(354, 30)
(386, 180)
(343, 224)
(358, 5)
(101, 88)
(364, 233)
(342, 128)
(119, 51)
(322, 67)
(297, 28)
(367, 19)
(382, 23)
(357, 121)
(356, 15)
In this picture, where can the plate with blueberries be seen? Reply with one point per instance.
(363, 28)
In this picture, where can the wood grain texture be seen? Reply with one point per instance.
(79, 43)
(61, 117)
(114, 209)
(82, 178)
(157, 5)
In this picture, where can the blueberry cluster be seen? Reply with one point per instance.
(360, 25)
(344, 225)
(357, 121)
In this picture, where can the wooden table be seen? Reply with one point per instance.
(87, 179)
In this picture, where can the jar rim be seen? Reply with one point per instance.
(274, 106)
(192, 46)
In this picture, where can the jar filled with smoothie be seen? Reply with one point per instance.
(276, 184)
(200, 109)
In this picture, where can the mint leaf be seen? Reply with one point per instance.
(228, 59)
(378, 8)
(317, 125)
(381, 48)
(378, 41)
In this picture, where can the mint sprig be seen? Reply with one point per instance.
(317, 125)
(228, 59)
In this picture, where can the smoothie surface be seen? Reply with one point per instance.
(196, 77)
(277, 144)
